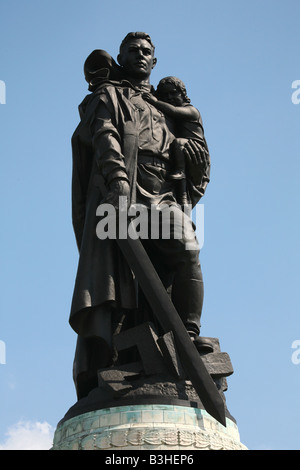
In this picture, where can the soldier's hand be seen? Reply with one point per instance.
(197, 161)
(119, 194)
(195, 154)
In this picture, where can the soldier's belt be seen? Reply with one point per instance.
(155, 161)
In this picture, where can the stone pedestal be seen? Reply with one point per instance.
(150, 404)
(146, 427)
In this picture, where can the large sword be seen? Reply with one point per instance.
(169, 319)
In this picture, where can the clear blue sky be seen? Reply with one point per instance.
(238, 60)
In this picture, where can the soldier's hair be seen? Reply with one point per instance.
(136, 35)
(177, 83)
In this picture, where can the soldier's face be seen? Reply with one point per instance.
(137, 58)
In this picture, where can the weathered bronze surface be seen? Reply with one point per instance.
(139, 148)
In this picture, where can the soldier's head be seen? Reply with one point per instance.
(136, 55)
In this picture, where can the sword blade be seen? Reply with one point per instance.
(169, 319)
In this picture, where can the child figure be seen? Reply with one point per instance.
(171, 98)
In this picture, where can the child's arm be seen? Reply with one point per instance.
(187, 113)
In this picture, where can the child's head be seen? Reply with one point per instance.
(173, 91)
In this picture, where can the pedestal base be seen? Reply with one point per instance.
(146, 427)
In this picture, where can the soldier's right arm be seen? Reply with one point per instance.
(106, 142)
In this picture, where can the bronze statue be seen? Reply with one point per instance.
(129, 146)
